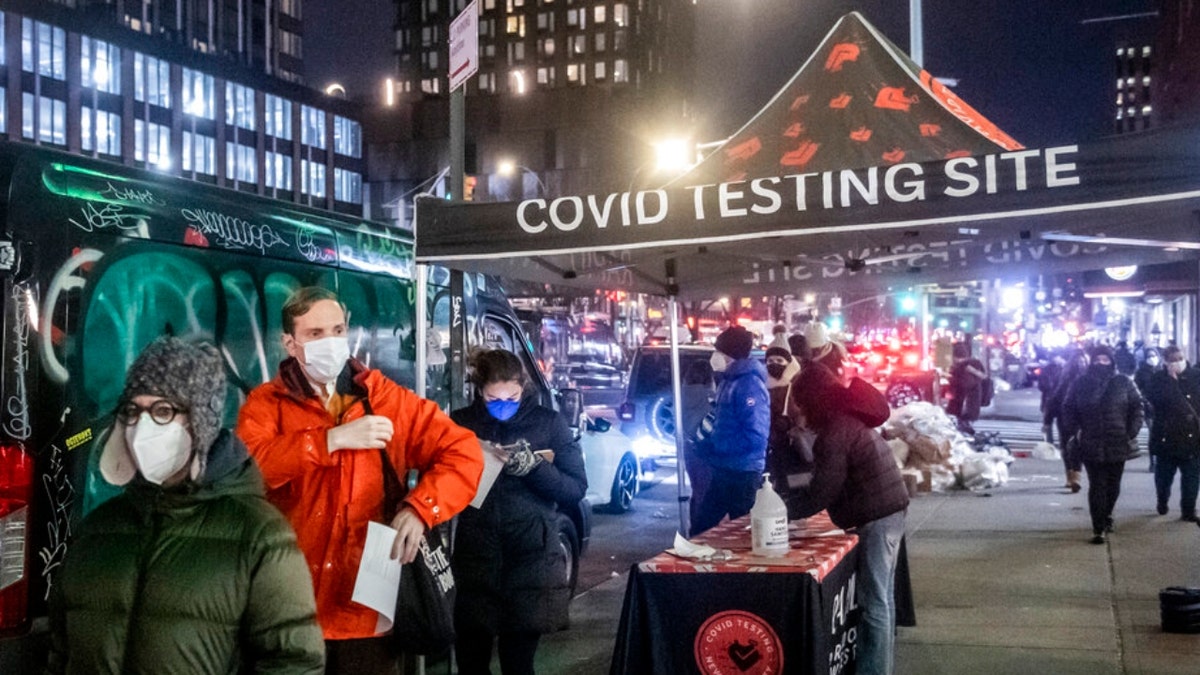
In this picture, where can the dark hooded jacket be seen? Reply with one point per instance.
(199, 578)
(855, 476)
(1104, 408)
(1175, 427)
(510, 571)
(742, 419)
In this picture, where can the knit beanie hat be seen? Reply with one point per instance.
(735, 342)
(798, 344)
(1101, 350)
(190, 376)
(816, 334)
(780, 351)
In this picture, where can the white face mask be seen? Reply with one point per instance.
(1176, 367)
(159, 450)
(1152, 361)
(719, 362)
(325, 358)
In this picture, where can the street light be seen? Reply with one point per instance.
(507, 168)
(672, 157)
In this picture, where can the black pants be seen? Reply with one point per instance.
(729, 492)
(473, 647)
(1104, 486)
(365, 655)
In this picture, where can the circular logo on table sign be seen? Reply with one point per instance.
(738, 643)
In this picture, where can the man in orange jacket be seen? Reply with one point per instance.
(316, 431)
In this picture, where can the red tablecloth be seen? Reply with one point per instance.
(813, 550)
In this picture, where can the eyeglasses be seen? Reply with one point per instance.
(162, 412)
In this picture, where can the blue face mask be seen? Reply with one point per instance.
(503, 410)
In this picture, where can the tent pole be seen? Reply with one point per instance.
(421, 327)
(685, 490)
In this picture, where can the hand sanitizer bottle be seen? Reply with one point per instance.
(768, 522)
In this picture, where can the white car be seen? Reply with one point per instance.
(613, 471)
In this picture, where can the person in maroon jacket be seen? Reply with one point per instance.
(856, 479)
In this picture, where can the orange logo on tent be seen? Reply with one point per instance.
(801, 155)
(840, 102)
(799, 101)
(893, 98)
(957, 153)
(861, 134)
(930, 130)
(794, 131)
(744, 150)
(894, 156)
(967, 114)
(842, 52)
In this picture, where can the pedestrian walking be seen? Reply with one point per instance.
(966, 387)
(736, 450)
(190, 569)
(1151, 363)
(1174, 393)
(781, 369)
(1103, 414)
(509, 568)
(1052, 418)
(316, 430)
(856, 479)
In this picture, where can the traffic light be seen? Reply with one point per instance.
(907, 303)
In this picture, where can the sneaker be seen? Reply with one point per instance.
(1098, 538)
(1162, 508)
(1189, 518)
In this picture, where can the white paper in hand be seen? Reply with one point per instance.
(378, 581)
(492, 465)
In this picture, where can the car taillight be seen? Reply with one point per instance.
(911, 359)
(16, 497)
(626, 412)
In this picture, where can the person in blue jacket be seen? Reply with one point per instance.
(736, 450)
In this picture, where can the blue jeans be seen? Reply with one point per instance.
(1189, 481)
(879, 542)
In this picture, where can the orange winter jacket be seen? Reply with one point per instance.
(330, 498)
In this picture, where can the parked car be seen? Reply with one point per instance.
(584, 373)
(647, 413)
(613, 471)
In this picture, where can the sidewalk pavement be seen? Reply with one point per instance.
(1005, 581)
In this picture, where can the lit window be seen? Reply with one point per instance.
(599, 70)
(290, 7)
(312, 127)
(199, 153)
(278, 117)
(198, 94)
(516, 25)
(278, 171)
(347, 186)
(1146, 110)
(239, 163)
(431, 85)
(239, 106)
(620, 70)
(545, 21)
(577, 18)
(104, 136)
(347, 137)
(1146, 81)
(100, 65)
(43, 119)
(43, 49)
(547, 47)
(546, 76)
(3, 109)
(575, 73)
(290, 43)
(516, 52)
(152, 144)
(621, 14)
(600, 41)
(516, 81)
(312, 178)
(1146, 50)
(600, 13)
(151, 80)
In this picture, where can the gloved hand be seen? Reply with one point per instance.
(521, 462)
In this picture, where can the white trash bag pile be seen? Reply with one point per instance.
(934, 455)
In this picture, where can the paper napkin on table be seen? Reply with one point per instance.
(686, 549)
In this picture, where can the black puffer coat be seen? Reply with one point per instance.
(855, 475)
(510, 572)
(1175, 429)
(1105, 409)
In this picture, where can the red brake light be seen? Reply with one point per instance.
(16, 497)
(911, 359)
(626, 412)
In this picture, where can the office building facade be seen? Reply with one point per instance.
(104, 90)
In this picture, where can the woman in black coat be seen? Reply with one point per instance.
(511, 574)
(1052, 413)
(1174, 393)
(1104, 409)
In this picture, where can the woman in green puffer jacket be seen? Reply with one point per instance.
(190, 569)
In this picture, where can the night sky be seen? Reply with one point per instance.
(1031, 66)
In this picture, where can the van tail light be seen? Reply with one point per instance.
(16, 499)
(626, 412)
